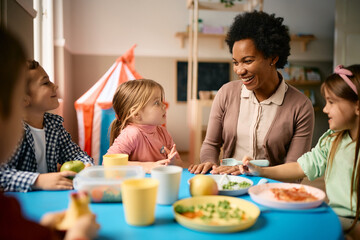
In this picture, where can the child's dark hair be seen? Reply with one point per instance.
(32, 64)
(338, 86)
(130, 98)
(12, 60)
(268, 33)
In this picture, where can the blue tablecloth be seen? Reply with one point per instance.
(271, 224)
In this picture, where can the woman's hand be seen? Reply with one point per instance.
(233, 170)
(201, 168)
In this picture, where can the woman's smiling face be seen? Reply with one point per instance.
(252, 68)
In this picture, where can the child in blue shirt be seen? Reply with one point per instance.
(45, 143)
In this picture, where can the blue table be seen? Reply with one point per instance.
(270, 224)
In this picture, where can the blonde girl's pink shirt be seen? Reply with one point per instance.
(142, 143)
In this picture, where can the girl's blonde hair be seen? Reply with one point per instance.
(129, 98)
(335, 84)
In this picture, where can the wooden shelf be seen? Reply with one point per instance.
(243, 6)
(304, 83)
(184, 35)
(304, 40)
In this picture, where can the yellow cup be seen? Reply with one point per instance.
(111, 160)
(115, 159)
(139, 200)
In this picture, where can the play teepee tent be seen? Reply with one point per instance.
(94, 108)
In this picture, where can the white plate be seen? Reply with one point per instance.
(231, 178)
(263, 195)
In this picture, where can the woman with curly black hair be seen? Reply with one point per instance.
(259, 116)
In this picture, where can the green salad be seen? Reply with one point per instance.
(236, 185)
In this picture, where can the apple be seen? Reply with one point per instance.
(203, 185)
(74, 166)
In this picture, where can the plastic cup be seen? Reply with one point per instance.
(139, 200)
(120, 159)
(169, 181)
(113, 160)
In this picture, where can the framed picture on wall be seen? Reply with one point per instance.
(211, 76)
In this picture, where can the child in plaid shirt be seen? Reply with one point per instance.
(45, 143)
(12, 85)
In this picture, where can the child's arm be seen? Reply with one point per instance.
(287, 172)
(13, 180)
(173, 158)
(23, 181)
(149, 165)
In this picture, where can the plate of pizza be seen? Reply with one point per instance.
(287, 195)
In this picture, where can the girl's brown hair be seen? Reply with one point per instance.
(335, 84)
(129, 99)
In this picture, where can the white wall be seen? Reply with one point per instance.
(110, 27)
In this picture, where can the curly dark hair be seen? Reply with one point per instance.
(269, 34)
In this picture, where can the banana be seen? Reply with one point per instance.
(78, 206)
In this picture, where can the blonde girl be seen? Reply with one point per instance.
(336, 153)
(137, 129)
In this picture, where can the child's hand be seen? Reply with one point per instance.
(85, 227)
(50, 220)
(249, 168)
(150, 165)
(55, 181)
(171, 154)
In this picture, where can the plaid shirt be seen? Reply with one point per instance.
(20, 173)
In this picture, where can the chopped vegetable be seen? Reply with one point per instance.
(236, 185)
(209, 211)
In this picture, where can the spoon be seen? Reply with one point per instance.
(222, 179)
(234, 162)
(262, 181)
